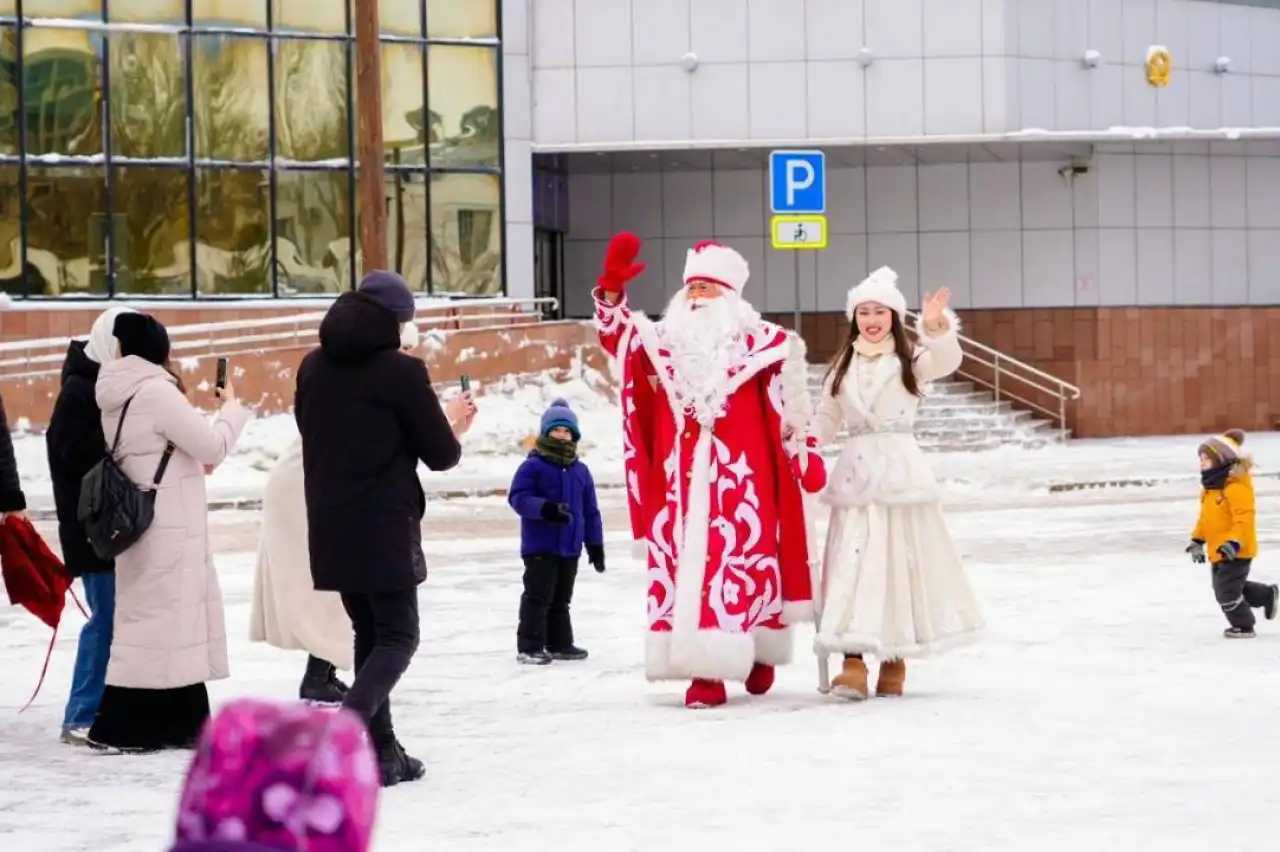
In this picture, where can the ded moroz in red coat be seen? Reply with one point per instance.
(723, 589)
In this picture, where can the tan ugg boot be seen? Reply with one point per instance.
(892, 678)
(851, 683)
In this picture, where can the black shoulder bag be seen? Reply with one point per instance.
(116, 512)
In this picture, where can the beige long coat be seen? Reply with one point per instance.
(169, 624)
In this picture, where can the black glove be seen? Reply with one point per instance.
(1196, 549)
(595, 555)
(1230, 550)
(556, 513)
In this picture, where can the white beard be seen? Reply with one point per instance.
(704, 343)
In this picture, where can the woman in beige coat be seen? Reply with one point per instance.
(170, 637)
(288, 613)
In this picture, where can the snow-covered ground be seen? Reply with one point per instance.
(1101, 711)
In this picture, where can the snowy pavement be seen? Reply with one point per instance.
(1102, 710)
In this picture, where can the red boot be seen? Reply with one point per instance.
(760, 680)
(705, 693)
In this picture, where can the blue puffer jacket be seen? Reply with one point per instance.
(538, 481)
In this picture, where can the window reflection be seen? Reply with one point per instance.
(60, 90)
(307, 15)
(400, 17)
(463, 100)
(313, 237)
(233, 232)
(85, 10)
(147, 89)
(67, 230)
(12, 279)
(150, 231)
(402, 95)
(462, 18)
(444, 228)
(8, 94)
(311, 100)
(232, 102)
(466, 234)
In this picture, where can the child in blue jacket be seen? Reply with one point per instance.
(555, 497)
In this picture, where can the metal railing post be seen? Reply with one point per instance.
(996, 375)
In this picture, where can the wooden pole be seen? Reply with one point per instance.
(372, 176)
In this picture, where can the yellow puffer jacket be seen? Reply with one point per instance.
(1227, 515)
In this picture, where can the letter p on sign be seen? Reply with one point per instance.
(798, 182)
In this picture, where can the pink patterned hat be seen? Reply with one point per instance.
(286, 777)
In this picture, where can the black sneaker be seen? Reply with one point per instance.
(1238, 633)
(533, 658)
(397, 767)
(320, 684)
(1270, 609)
(569, 652)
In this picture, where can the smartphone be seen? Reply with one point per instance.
(466, 383)
(221, 381)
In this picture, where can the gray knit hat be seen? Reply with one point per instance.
(1224, 448)
(391, 292)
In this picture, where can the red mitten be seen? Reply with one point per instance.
(619, 262)
(814, 476)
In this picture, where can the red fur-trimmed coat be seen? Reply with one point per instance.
(718, 510)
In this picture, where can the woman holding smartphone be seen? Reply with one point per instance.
(169, 636)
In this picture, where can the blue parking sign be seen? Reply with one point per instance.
(798, 182)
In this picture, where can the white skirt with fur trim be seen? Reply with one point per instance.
(893, 584)
(715, 654)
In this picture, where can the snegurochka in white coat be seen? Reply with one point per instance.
(894, 586)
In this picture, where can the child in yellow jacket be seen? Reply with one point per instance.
(1226, 534)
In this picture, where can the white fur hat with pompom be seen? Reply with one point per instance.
(881, 287)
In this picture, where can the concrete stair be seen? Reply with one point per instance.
(959, 416)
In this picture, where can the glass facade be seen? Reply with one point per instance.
(204, 148)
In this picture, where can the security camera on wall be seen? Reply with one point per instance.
(1071, 172)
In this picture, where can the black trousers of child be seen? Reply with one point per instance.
(544, 606)
(1237, 596)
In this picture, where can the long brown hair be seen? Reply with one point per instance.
(901, 347)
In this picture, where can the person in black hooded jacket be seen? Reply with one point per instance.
(367, 415)
(12, 500)
(74, 443)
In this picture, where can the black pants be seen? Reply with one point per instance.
(151, 719)
(1236, 595)
(544, 606)
(386, 629)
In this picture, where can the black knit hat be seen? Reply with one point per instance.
(391, 292)
(142, 335)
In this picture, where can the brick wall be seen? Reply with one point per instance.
(266, 380)
(1141, 371)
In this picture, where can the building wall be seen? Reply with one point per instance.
(124, 206)
(608, 72)
(517, 146)
(1154, 224)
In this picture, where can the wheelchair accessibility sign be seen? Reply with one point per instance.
(799, 232)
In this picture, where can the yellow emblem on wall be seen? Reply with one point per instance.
(1159, 66)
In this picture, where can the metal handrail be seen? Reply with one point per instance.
(42, 357)
(456, 312)
(1001, 365)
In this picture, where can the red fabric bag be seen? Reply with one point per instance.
(34, 578)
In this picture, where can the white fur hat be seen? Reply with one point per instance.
(409, 336)
(712, 261)
(881, 287)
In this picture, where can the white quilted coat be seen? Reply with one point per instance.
(894, 586)
(169, 627)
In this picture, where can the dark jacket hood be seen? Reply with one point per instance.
(79, 364)
(356, 327)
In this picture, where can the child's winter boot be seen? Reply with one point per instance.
(892, 677)
(1270, 609)
(533, 658)
(851, 683)
(1239, 633)
(705, 693)
(760, 680)
(569, 652)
